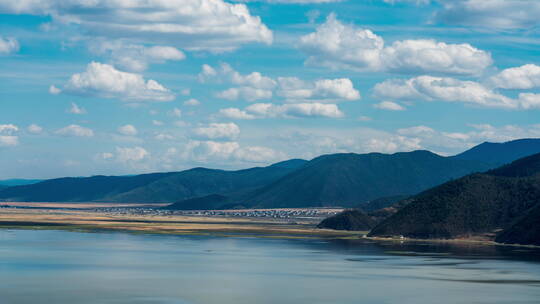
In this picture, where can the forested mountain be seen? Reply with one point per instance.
(475, 204)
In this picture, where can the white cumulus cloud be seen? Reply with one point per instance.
(323, 90)
(192, 102)
(75, 130)
(431, 88)
(205, 151)
(218, 131)
(8, 45)
(106, 155)
(389, 105)
(245, 93)
(234, 113)
(103, 80)
(498, 14)
(163, 136)
(7, 137)
(337, 46)
(133, 57)
(529, 101)
(75, 109)
(306, 110)
(416, 131)
(292, 1)
(128, 130)
(54, 90)
(8, 129)
(134, 154)
(213, 25)
(34, 129)
(8, 140)
(225, 73)
(175, 112)
(255, 86)
(524, 77)
(258, 154)
(296, 110)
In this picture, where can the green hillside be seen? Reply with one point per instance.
(478, 203)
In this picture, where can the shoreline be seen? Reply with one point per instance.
(84, 221)
(451, 241)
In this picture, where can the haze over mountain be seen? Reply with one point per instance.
(78, 188)
(474, 204)
(18, 182)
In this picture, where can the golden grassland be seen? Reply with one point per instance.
(173, 224)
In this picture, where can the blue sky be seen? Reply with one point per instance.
(131, 86)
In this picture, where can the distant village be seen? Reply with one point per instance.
(288, 213)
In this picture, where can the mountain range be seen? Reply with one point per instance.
(329, 180)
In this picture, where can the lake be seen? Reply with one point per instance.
(47, 266)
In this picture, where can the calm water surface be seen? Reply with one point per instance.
(71, 267)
